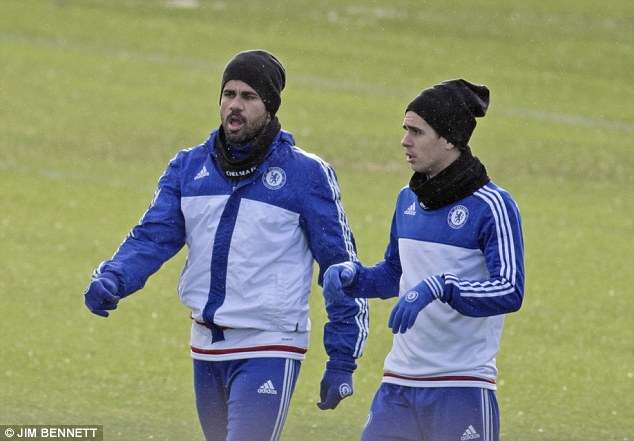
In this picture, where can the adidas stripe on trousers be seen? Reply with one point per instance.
(244, 400)
(402, 413)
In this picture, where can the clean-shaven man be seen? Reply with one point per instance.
(455, 259)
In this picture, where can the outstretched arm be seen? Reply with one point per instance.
(159, 235)
(351, 279)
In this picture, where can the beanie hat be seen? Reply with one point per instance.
(451, 108)
(260, 70)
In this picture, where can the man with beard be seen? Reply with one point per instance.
(254, 211)
(455, 259)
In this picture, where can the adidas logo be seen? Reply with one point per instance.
(268, 388)
(202, 173)
(411, 210)
(470, 433)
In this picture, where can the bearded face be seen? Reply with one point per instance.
(242, 112)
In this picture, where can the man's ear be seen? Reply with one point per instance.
(446, 144)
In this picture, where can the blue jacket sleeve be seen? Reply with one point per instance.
(159, 235)
(502, 244)
(331, 241)
(381, 280)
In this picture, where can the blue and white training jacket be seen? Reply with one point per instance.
(470, 254)
(251, 245)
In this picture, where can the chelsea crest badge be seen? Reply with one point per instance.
(274, 178)
(458, 216)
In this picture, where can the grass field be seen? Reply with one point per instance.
(97, 96)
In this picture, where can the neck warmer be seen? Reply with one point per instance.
(238, 152)
(240, 168)
(459, 180)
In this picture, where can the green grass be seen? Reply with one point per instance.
(97, 96)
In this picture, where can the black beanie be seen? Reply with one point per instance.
(451, 108)
(260, 70)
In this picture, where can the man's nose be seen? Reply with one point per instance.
(236, 104)
(405, 141)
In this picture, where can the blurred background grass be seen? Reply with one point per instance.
(97, 96)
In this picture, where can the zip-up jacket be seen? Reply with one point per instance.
(251, 245)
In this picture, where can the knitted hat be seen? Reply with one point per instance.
(451, 108)
(260, 70)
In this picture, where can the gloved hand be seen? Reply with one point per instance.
(101, 294)
(408, 306)
(336, 385)
(337, 277)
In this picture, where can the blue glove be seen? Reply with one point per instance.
(336, 385)
(337, 277)
(101, 294)
(408, 306)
